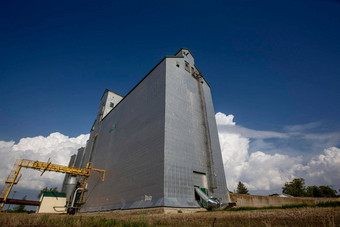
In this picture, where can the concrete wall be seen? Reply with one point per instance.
(266, 201)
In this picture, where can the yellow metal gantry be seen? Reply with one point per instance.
(13, 179)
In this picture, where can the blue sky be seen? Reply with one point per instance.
(273, 65)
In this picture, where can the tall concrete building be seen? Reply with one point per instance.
(157, 143)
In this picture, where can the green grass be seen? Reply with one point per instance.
(321, 204)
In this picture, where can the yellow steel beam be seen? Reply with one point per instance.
(47, 166)
(43, 166)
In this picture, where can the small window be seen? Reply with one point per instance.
(112, 104)
(192, 70)
(187, 66)
(177, 64)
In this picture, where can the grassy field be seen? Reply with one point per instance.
(307, 216)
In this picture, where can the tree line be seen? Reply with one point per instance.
(297, 188)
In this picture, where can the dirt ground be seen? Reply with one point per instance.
(279, 217)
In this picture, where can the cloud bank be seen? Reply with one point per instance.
(262, 171)
(56, 146)
(245, 152)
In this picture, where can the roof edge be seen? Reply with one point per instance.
(173, 56)
(53, 194)
(135, 87)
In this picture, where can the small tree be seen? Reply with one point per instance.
(20, 208)
(241, 188)
(295, 188)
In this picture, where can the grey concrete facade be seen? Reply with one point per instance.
(157, 143)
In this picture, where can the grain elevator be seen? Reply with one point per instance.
(158, 144)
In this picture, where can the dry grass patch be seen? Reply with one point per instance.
(284, 217)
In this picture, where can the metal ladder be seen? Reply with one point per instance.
(10, 181)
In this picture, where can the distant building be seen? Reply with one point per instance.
(157, 144)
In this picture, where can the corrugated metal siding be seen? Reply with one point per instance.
(132, 154)
(185, 148)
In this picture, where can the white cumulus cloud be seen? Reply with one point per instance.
(223, 119)
(269, 172)
(56, 146)
(226, 124)
(325, 167)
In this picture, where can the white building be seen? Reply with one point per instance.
(52, 202)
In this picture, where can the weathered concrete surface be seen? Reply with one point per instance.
(266, 201)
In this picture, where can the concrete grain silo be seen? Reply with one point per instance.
(157, 144)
